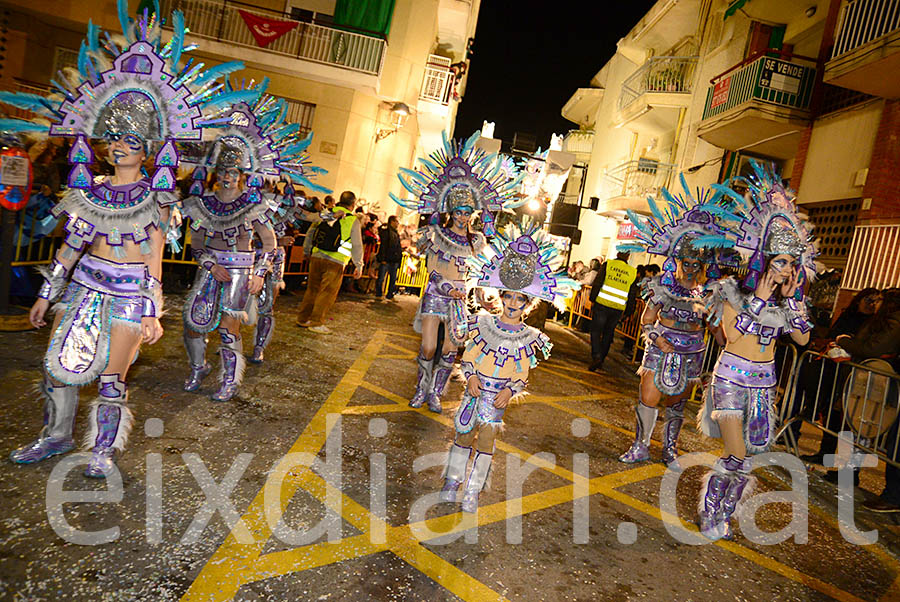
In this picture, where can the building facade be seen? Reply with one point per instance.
(701, 86)
(374, 99)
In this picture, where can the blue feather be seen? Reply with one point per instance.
(686, 188)
(630, 248)
(20, 125)
(470, 142)
(728, 192)
(29, 102)
(713, 241)
(654, 209)
(720, 212)
(414, 175)
(430, 165)
(177, 39)
(314, 187)
(124, 20)
(214, 73)
(638, 222)
(231, 98)
(92, 36)
(404, 204)
(82, 61)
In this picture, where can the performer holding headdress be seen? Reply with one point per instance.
(501, 349)
(768, 303)
(106, 276)
(252, 144)
(674, 317)
(458, 180)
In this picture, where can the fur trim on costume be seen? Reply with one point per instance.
(126, 421)
(240, 366)
(244, 213)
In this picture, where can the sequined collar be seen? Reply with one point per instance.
(460, 239)
(501, 325)
(221, 209)
(125, 196)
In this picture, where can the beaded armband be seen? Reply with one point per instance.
(756, 305)
(204, 258)
(444, 286)
(467, 369)
(651, 332)
(517, 386)
(152, 297)
(55, 279)
(263, 264)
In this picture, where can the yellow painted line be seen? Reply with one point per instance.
(558, 366)
(222, 575)
(409, 352)
(597, 421)
(386, 408)
(561, 398)
(573, 379)
(285, 562)
(396, 356)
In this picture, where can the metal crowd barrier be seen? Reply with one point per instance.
(627, 328)
(844, 396)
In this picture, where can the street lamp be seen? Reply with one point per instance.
(399, 114)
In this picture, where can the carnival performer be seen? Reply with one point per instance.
(754, 313)
(290, 211)
(674, 318)
(106, 276)
(500, 351)
(458, 180)
(252, 144)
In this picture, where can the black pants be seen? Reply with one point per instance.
(603, 327)
(391, 270)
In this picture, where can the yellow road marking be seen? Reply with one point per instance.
(385, 408)
(573, 379)
(396, 356)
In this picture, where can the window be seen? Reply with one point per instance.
(302, 113)
(834, 222)
(64, 57)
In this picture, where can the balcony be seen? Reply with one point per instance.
(437, 86)
(866, 49)
(760, 105)
(333, 54)
(653, 96)
(628, 185)
(580, 143)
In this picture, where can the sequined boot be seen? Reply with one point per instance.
(423, 380)
(455, 471)
(265, 326)
(60, 407)
(741, 485)
(671, 430)
(478, 477)
(713, 520)
(200, 368)
(441, 376)
(643, 430)
(231, 373)
(110, 423)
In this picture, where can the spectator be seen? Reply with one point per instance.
(591, 274)
(329, 202)
(880, 337)
(335, 242)
(370, 248)
(633, 294)
(576, 270)
(609, 296)
(652, 270)
(390, 254)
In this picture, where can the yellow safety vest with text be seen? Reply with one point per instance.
(345, 250)
(613, 291)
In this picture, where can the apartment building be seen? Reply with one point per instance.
(701, 86)
(376, 88)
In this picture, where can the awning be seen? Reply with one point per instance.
(734, 7)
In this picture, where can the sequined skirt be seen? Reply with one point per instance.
(209, 297)
(747, 389)
(451, 311)
(101, 293)
(480, 410)
(672, 372)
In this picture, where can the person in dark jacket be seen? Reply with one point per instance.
(390, 254)
(633, 293)
(880, 338)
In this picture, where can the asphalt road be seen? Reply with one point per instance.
(583, 526)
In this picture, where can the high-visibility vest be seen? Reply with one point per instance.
(613, 292)
(345, 250)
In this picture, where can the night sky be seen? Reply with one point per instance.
(530, 57)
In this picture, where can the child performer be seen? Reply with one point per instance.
(500, 351)
(768, 303)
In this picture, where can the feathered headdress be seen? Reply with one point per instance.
(138, 89)
(684, 227)
(459, 175)
(254, 137)
(523, 260)
(768, 223)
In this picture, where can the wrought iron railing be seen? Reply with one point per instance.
(669, 74)
(635, 179)
(873, 258)
(579, 142)
(437, 85)
(221, 20)
(768, 79)
(862, 21)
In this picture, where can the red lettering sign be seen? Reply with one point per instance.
(720, 92)
(626, 231)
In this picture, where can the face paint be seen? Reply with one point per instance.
(513, 303)
(228, 178)
(125, 149)
(781, 266)
(461, 218)
(690, 267)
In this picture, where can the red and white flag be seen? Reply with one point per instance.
(264, 29)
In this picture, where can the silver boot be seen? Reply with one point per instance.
(265, 326)
(645, 418)
(478, 477)
(423, 380)
(110, 424)
(441, 376)
(60, 408)
(455, 471)
(231, 373)
(200, 368)
(671, 430)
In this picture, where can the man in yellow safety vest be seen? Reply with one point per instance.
(336, 242)
(609, 294)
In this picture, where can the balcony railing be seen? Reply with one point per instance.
(438, 83)
(221, 20)
(775, 81)
(580, 142)
(636, 179)
(669, 74)
(862, 21)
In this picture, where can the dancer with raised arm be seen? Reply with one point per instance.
(673, 322)
(768, 303)
(106, 276)
(458, 180)
(500, 351)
